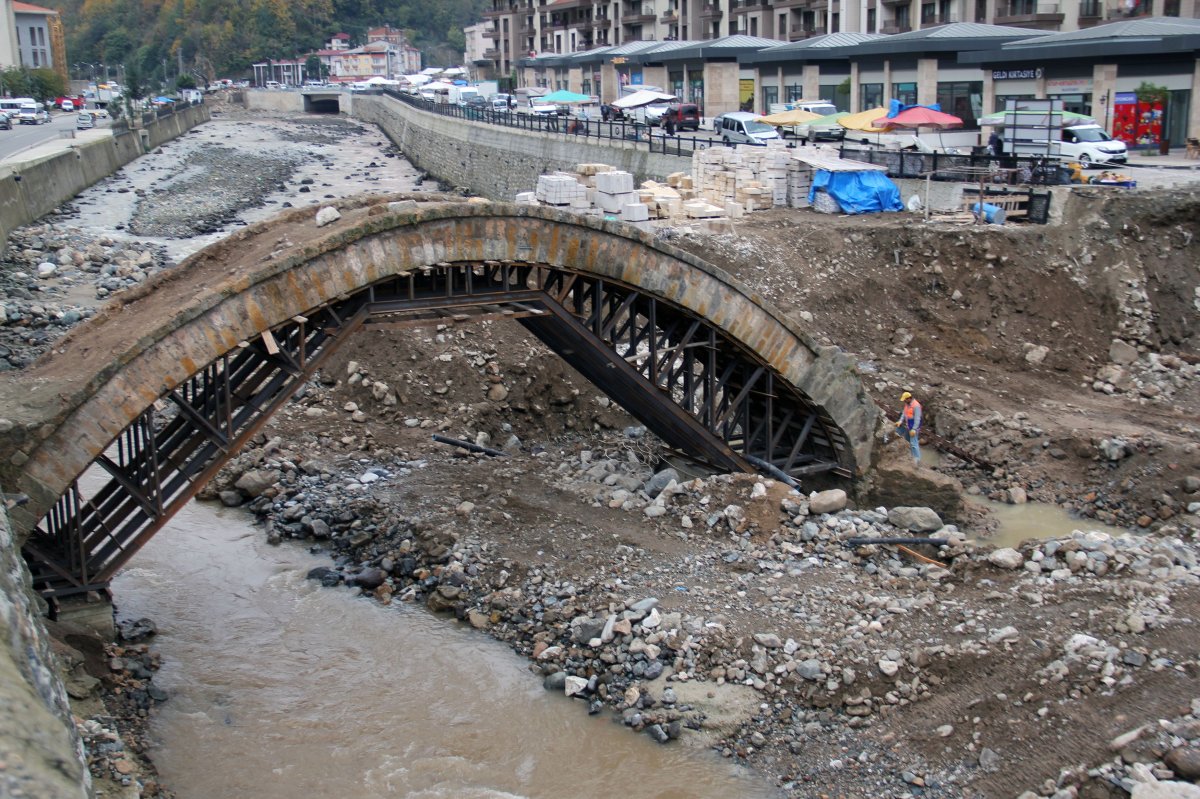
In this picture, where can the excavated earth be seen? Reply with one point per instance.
(729, 611)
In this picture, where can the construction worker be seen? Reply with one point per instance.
(909, 425)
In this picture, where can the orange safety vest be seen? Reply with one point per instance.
(910, 408)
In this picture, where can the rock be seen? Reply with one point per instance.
(326, 576)
(1015, 495)
(945, 731)
(369, 578)
(1184, 761)
(230, 499)
(256, 481)
(810, 669)
(769, 640)
(327, 214)
(988, 759)
(830, 501)
(657, 732)
(478, 619)
(497, 392)
(46, 269)
(914, 519)
(658, 482)
(574, 685)
(555, 682)
(1007, 558)
(1037, 355)
(1164, 790)
(1114, 449)
(888, 667)
(1122, 353)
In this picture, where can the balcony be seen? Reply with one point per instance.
(493, 34)
(895, 28)
(638, 19)
(1091, 12)
(937, 19)
(1029, 15)
(491, 54)
(710, 12)
(737, 7)
(668, 18)
(601, 24)
(781, 5)
(797, 34)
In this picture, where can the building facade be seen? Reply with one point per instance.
(9, 54)
(39, 38)
(518, 29)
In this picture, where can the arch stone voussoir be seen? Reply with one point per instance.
(71, 404)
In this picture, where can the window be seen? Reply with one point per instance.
(870, 95)
(902, 22)
(783, 25)
(795, 92)
(1002, 99)
(675, 84)
(905, 93)
(770, 97)
(834, 93)
(870, 20)
(928, 13)
(753, 26)
(963, 99)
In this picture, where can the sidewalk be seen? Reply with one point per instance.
(53, 146)
(1176, 160)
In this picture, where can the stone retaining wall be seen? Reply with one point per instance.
(494, 161)
(31, 189)
(42, 754)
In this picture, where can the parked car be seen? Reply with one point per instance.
(654, 113)
(33, 114)
(741, 127)
(85, 121)
(67, 106)
(1089, 144)
(686, 116)
(5, 121)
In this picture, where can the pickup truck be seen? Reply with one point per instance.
(76, 103)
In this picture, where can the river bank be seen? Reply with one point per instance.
(727, 612)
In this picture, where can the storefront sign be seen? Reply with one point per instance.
(1125, 98)
(1017, 74)
(1069, 86)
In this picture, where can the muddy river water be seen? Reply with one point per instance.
(280, 688)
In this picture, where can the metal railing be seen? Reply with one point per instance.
(1012, 169)
(625, 131)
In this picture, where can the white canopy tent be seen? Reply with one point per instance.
(641, 98)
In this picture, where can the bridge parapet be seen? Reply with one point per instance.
(101, 379)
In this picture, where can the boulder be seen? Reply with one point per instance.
(1037, 355)
(1015, 495)
(326, 215)
(915, 519)
(658, 482)
(1184, 761)
(256, 481)
(830, 501)
(1122, 353)
(1007, 558)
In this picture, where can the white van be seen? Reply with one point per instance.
(1089, 144)
(33, 114)
(741, 127)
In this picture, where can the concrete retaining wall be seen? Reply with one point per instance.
(265, 100)
(493, 161)
(33, 188)
(42, 753)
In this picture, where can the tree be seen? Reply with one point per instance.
(1152, 93)
(46, 84)
(314, 68)
(135, 90)
(185, 81)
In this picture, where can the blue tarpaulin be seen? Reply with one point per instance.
(895, 107)
(865, 192)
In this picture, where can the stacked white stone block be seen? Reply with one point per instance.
(560, 190)
(614, 190)
(799, 181)
(754, 177)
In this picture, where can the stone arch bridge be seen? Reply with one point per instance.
(166, 383)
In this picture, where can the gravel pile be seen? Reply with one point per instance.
(220, 182)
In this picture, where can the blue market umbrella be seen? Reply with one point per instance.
(564, 97)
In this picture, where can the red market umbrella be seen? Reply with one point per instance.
(918, 116)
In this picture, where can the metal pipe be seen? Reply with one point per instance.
(467, 445)
(772, 470)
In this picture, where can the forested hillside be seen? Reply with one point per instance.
(220, 38)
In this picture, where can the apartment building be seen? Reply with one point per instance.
(520, 29)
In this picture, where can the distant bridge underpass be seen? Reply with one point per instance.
(165, 385)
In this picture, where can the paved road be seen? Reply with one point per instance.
(23, 136)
